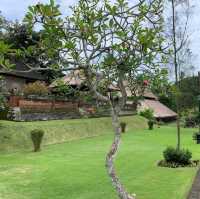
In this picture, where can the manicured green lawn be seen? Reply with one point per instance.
(15, 136)
(75, 170)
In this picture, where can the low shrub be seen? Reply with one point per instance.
(163, 163)
(190, 121)
(37, 88)
(62, 89)
(175, 156)
(150, 124)
(196, 135)
(147, 113)
(4, 112)
(123, 127)
(36, 136)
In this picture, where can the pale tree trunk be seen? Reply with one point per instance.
(176, 75)
(122, 193)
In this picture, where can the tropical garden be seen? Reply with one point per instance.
(132, 46)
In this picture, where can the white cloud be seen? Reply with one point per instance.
(16, 9)
(13, 9)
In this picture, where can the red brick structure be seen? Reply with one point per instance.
(14, 101)
(42, 109)
(42, 105)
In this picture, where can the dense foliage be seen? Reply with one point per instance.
(190, 89)
(187, 94)
(191, 121)
(147, 113)
(62, 89)
(22, 45)
(180, 157)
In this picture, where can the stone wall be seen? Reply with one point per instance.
(41, 109)
(35, 109)
(47, 105)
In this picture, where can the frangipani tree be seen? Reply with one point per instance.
(110, 42)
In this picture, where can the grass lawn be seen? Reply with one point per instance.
(75, 169)
(15, 136)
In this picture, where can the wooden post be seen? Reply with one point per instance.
(199, 80)
(199, 100)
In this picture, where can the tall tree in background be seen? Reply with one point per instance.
(178, 39)
(110, 42)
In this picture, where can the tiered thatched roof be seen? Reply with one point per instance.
(150, 101)
(20, 70)
(74, 78)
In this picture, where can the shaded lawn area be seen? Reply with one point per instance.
(76, 170)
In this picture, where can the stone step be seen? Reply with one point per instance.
(195, 190)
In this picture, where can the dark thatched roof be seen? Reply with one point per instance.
(20, 71)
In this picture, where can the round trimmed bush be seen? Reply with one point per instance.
(180, 157)
(36, 136)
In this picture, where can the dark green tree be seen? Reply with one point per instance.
(19, 39)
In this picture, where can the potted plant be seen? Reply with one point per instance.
(196, 136)
(123, 127)
(37, 136)
(148, 114)
(150, 124)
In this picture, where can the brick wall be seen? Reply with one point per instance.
(17, 101)
(46, 109)
(47, 105)
(14, 101)
(42, 109)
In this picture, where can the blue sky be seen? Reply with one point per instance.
(16, 9)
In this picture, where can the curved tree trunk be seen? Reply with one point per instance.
(122, 193)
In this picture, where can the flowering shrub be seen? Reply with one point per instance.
(36, 88)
